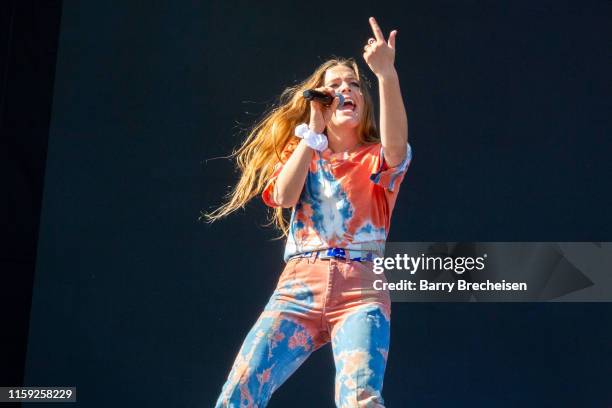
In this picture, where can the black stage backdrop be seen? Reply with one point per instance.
(28, 45)
(138, 304)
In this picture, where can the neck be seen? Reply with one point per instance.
(342, 139)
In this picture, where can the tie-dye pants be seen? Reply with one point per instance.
(316, 301)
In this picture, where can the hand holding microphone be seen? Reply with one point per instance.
(323, 103)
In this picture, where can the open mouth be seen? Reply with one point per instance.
(348, 105)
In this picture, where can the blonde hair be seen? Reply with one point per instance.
(273, 135)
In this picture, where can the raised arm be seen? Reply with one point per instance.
(380, 57)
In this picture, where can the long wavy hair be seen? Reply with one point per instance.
(268, 138)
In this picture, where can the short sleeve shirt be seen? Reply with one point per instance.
(346, 202)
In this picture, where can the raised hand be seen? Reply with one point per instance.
(380, 54)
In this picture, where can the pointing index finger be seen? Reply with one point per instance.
(376, 30)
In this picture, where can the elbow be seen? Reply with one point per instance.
(287, 203)
(395, 157)
(284, 201)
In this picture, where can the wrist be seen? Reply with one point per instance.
(316, 141)
(387, 75)
(317, 129)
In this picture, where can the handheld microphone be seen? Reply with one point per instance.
(325, 99)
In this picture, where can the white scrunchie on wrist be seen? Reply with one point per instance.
(314, 140)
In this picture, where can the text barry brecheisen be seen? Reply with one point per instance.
(458, 265)
(459, 285)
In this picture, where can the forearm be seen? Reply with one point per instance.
(393, 119)
(290, 181)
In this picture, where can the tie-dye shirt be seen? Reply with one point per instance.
(346, 202)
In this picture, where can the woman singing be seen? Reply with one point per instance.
(341, 176)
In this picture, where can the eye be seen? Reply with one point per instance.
(335, 85)
(355, 84)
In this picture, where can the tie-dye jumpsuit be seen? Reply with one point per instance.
(346, 203)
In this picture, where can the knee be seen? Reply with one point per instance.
(358, 385)
(240, 391)
(234, 397)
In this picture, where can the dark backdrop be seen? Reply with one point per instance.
(28, 45)
(138, 302)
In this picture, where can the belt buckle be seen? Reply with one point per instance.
(337, 253)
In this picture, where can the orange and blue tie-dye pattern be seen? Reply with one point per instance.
(347, 203)
(316, 301)
(347, 200)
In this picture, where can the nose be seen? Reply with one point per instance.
(345, 87)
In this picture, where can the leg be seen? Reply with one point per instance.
(286, 333)
(360, 341)
(274, 348)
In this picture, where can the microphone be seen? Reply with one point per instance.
(325, 99)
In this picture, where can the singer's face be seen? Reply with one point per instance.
(344, 81)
